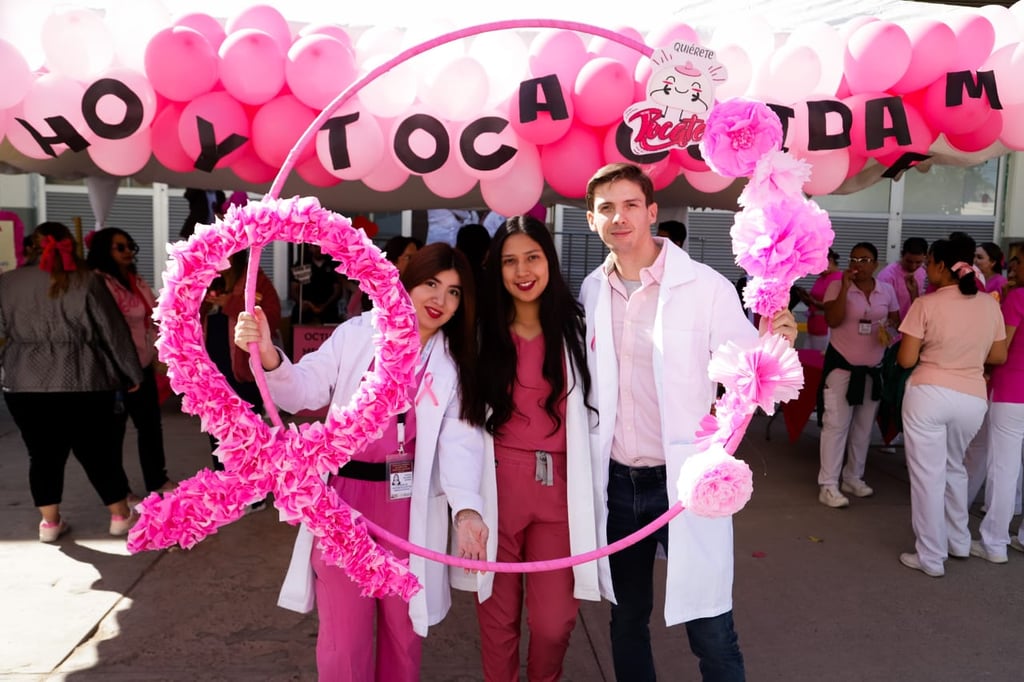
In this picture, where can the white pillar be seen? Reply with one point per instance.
(161, 231)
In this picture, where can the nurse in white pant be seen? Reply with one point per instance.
(1005, 435)
(948, 338)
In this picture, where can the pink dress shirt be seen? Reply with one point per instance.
(637, 438)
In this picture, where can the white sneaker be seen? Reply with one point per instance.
(831, 497)
(50, 532)
(1017, 544)
(120, 525)
(912, 561)
(979, 550)
(857, 488)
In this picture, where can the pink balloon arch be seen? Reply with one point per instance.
(877, 90)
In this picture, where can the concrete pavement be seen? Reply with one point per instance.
(819, 592)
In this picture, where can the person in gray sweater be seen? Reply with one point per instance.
(66, 351)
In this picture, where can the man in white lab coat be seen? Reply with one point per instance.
(654, 316)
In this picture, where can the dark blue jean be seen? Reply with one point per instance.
(637, 496)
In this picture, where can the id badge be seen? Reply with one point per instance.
(864, 327)
(399, 466)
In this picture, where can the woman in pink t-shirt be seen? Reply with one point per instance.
(817, 328)
(859, 309)
(950, 335)
(1005, 434)
(534, 385)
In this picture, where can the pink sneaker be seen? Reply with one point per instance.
(120, 525)
(49, 532)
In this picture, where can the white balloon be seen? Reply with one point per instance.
(740, 70)
(392, 93)
(457, 91)
(77, 43)
(829, 48)
(132, 24)
(21, 24)
(504, 57)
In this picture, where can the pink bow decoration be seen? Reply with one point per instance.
(963, 269)
(65, 248)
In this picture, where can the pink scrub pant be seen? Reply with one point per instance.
(533, 525)
(345, 643)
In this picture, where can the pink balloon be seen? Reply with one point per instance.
(627, 56)
(277, 126)
(570, 162)
(974, 39)
(450, 181)
(313, 172)
(828, 171)
(123, 157)
(708, 183)
(877, 56)
(364, 141)
(857, 163)
(50, 95)
(1007, 63)
(682, 158)
(921, 135)
(5, 118)
(933, 46)
(332, 30)
(181, 64)
(558, 52)
(542, 129)
(249, 168)
(166, 143)
(209, 27)
(266, 19)
(519, 190)
(603, 90)
(318, 68)
(1012, 134)
(251, 66)
(388, 176)
(15, 76)
(792, 74)
(225, 114)
(673, 32)
(662, 174)
(980, 137)
(611, 154)
(959, 119)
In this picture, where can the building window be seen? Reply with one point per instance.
(873, 199)
(951, 190)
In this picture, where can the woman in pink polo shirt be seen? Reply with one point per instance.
(949, 335)
(988, 257)
(817, 328)
(1005, 436)
(859, 309)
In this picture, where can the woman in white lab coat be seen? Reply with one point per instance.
(447, 454)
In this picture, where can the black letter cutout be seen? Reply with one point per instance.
(485, 162)
(959, 81)
(875, 131)
(64, 133)
(337, 139)
(432, 127)
(209, 151)
(553, 102)
(132, 120)
(784, 113)
(907, 160)
(817, 136)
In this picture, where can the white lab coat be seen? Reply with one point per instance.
(586, 501)
(698, 310)
(448, 459)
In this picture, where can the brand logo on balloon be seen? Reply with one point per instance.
(680, 94)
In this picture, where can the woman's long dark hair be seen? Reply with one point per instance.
(101, 256)
(561, 320)
(949, 252)
(460, 331)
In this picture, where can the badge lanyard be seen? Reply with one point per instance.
(400, 463)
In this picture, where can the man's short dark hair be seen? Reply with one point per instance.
(915, 245)
(620, 171)
(675, 230)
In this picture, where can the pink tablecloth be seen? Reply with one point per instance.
(797, 412)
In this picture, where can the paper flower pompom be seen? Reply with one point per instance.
(763, 375)
(738, 133)
(713, 483)
(766, 296)
(785, 241)
(777, 176)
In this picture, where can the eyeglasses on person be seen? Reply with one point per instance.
(121, 247)
(861, 259)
